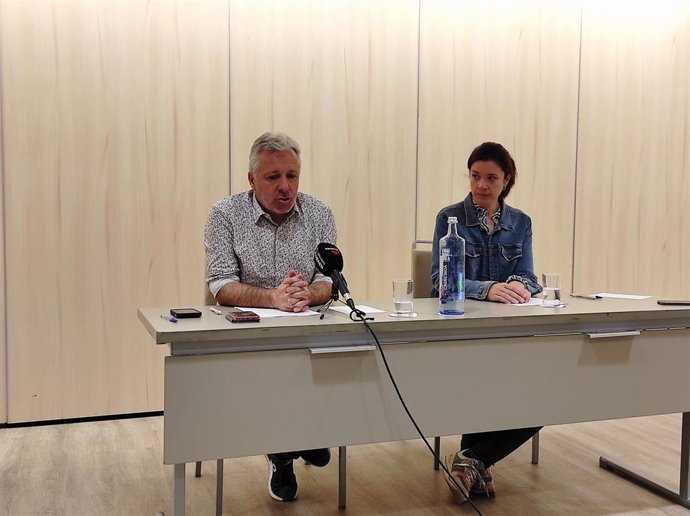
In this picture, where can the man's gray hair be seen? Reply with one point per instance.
(271, 142)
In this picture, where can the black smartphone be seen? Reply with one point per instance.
(238, 316)
(185, 313)
(673, 301)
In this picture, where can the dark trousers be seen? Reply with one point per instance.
(319, 457)
(490, 447)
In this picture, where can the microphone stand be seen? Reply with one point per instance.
(334, 297)
(357, 315)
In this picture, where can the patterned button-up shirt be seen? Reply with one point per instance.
(483, 220)
(243, 244)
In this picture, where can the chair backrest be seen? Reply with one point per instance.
(209, 300)
(421, 268)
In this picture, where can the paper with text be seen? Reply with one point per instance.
(272, 312)
(364, 308)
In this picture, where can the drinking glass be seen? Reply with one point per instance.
(402, 298)
(551, 282)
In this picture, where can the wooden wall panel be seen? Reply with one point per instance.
(340, 77)
(634, 150)
(502, 71)
(3, 340)
(116, 143)
(119, 117)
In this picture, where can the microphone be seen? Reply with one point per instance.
(329, 262)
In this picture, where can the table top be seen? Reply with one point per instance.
(481, 320)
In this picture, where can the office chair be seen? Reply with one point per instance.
(210, 300)
(421, 276)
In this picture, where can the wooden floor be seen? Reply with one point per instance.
(116, 467)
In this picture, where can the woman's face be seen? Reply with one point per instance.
(487, 181)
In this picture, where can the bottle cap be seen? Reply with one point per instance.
(453, 219)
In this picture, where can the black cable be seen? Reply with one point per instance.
(361, 317)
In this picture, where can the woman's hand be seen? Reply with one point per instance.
(511, 293)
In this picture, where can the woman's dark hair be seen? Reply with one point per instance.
(491, 151)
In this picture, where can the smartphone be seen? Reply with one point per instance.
(673, 301)
(238, 316)
(185, 313)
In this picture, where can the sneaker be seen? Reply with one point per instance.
(319, 457)
(466, 473)
(282, 484)
(485, 486)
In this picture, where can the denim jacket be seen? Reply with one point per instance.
(489, 259)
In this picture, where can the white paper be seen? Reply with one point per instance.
(271, 312)
(621, 296)
(364, 308)
(535, 301)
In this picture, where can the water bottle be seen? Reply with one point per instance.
(451, 288)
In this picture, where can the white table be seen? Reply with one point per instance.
(234, 390)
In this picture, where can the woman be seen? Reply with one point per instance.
(499, 268)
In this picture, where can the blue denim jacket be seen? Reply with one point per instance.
(491, 258)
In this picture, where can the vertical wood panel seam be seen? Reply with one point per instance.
(4, 335)
(229, 105)
(416, 165)
(577, 152)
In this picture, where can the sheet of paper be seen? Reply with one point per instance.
(621, 296)
(271, 312)
(364, 308)
(535, 301)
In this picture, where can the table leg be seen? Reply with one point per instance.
(535, 448)
(219, 487)
(685, 458)
(437, 450)
(681, 497)
(342, 477)
(178, 489)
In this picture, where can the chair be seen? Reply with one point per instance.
(421, 268)
(421, 276)
(210, 300)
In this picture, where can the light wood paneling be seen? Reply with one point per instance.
(634, 150)
(502, 71)
(340, 77)
(116, 143)
(3, 340)
(111, 468)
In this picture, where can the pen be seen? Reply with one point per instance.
(586, 296)
(168, 318)
(216, 311)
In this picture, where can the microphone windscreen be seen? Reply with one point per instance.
(328, 258)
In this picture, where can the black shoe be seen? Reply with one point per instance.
(282, 484)
(319, 457)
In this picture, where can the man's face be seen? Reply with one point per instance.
(276, 182)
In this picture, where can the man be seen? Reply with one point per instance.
(260, 253)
